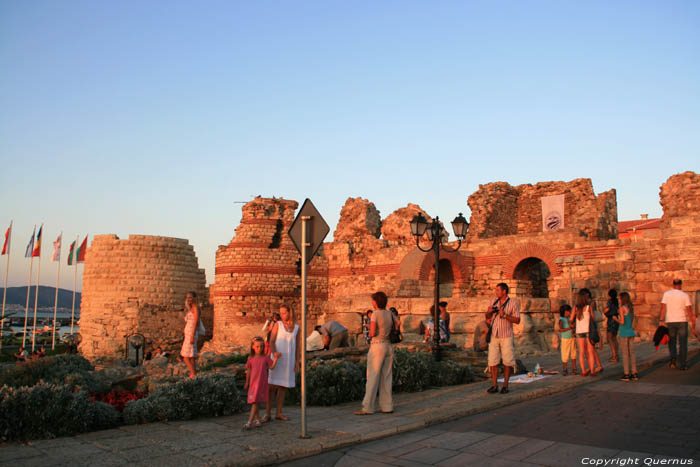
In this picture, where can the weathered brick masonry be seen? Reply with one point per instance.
(257, 270)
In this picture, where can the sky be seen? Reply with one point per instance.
(161, 117)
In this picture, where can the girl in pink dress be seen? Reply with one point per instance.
(256, 378)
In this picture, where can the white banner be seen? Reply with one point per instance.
(552, 213)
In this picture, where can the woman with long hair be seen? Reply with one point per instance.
(189, 344)
(591, 309)
(285, 340)
(626, 319)
(585, 348)
(611, 311)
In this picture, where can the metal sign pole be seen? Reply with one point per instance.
(304, 245)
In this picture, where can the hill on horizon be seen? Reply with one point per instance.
(18, 296)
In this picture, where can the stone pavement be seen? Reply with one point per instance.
(221, 441)
(639, 423)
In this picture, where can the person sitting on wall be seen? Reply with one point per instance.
(366, 320)
(334, 335)
(445, 316)
(480, 331)
(22, 355)
(444, 332)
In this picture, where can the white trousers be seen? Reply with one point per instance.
(379, 360)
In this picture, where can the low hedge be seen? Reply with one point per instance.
(73, 371)
(47, 411)
(335, 381)
(204, 396)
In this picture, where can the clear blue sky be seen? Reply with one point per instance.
(155, 117)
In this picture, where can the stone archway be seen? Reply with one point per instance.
(531, 276)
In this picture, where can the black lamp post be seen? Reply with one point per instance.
(438, 236)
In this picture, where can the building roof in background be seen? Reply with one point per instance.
(640, 224)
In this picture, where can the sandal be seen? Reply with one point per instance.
(248, 426)
(282, 417)
(585, 373)
(257, 423)
(265, 419)
(492, 390)
(362, 412)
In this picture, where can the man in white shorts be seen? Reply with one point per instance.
(504, 313)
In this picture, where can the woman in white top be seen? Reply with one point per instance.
(189, 343)
(585, 348)
(285, 339)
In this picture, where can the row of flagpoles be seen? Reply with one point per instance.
(34, 251)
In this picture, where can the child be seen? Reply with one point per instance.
(627, 334)
(257, 367)
(568, 344)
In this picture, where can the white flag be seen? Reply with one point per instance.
(552, 213)
(56, 256)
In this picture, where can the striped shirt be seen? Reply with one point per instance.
(502, 327)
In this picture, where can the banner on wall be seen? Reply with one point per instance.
(552, 213)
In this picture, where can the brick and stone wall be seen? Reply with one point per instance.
(500, 209)
(257, 272)
(137, 286)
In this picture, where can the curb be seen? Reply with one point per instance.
(439, 416)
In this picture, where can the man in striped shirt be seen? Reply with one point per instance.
(504, 313)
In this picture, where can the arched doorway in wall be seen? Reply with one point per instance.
(531, 276)
(447, 278)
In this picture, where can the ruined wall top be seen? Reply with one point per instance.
(358, 218)
(265, 220)
(680, 195)
(501, 209)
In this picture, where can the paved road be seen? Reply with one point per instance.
(656, 417)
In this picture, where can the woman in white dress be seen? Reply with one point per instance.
(189, 344)
(285, 339)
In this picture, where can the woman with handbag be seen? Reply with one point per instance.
(627, 334)
(189, 344)
(583, 326)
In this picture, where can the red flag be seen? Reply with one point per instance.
(81, 250)
(37, 245)
(6, 246)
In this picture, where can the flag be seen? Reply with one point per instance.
(37, 247)
(56, 256)
(81, 251)
(70, 254)
(30, 245)
(552, 213)
(6, 246)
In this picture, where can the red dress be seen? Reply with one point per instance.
(258, 366)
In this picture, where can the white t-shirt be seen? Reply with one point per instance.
(676, 302)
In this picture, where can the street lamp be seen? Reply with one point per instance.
(438, 236)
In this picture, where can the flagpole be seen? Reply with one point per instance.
(36, 298)
(4, 292)
(75, 282)
(29, 287)
(55, 300)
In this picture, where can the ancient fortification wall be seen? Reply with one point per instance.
(137, 286)
(257, 271)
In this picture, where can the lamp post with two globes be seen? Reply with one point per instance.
(438, 236)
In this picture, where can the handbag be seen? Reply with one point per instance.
(201, 330)
(596, 314)
(593, 335)
(395, 335)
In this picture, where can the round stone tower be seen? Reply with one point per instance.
(136, 286)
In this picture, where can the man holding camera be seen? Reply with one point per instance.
(504, 313)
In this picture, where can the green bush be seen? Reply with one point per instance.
(335, 381)
(331, 382)
(46, 411)
(72, 370)
(204, 396)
